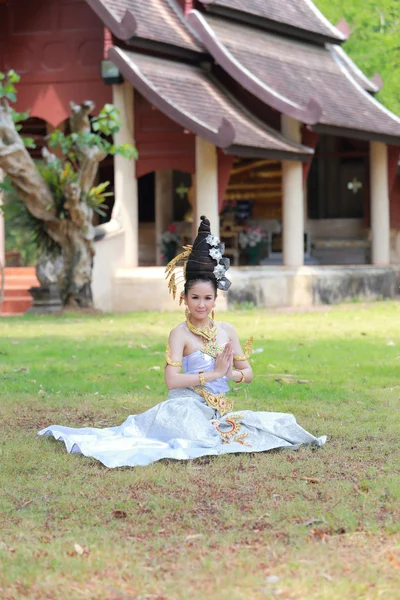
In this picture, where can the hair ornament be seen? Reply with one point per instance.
(204, 259)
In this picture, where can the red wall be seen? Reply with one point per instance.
(161, 143)
(394, 186)
(395, 205)
(56, 46)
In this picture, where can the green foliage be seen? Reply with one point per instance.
(7, 85)
(374, 43)
(24, 233)
(97, 195)
(104, 125)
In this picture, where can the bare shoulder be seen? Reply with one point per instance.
(178, 331)
(230, 330)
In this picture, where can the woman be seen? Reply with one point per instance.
(197, 419)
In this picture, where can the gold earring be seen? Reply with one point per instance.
(187, 312)
(213, 314)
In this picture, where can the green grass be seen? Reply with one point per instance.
(312, 524)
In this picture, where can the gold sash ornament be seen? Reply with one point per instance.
(218, 402)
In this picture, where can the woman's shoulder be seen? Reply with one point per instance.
(226, 326)
(178, 330)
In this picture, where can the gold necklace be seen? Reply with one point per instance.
(208, 335)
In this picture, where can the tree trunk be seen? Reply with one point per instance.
(74, 234)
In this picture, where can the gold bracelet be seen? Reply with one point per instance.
(202, 378)
(243, 377)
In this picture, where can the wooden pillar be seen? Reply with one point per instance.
(164, 206)
(206, 182)
(380, 207)
(125, 182)
(293, 200)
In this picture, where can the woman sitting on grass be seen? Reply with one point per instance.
(197, 418)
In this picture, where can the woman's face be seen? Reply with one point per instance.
(201, 299)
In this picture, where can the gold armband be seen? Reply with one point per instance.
(168, 358)
(202, 379)
(243, 377)
(248, 348)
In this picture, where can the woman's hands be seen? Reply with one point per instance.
(224, 362)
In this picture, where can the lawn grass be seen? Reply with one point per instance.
(312, 524)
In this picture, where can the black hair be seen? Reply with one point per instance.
(200, 279)
(201, 266)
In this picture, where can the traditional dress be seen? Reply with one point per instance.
(192, 422)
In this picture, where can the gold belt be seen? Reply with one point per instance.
(217, 401)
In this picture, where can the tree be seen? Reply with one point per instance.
(57, 195)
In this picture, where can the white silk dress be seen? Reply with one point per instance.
(190, 423)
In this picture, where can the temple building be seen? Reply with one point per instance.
(248, 112)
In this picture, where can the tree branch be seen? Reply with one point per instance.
(90, 156)
(20, 168)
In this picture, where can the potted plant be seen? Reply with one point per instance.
(169, 243)
(251, 241)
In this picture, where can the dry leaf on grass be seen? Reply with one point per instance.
(155, 368)
(119, 514)
(78, 549)
(291, 379)
(310, 479)
(313, 522)
(394, 557)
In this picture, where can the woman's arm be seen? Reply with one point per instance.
(240, 367)
(174, 378)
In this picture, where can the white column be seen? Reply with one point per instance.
(293, 200)
(164, 206)
(206, 196)
(2, 228)
(380, 208)
(125, 182)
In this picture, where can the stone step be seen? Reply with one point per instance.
(16, 292)
(30, 271)
(15, 305)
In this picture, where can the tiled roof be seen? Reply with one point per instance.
(358, 75)
(153, 20)
(298, 71)
(299, 14)
(191, 97)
